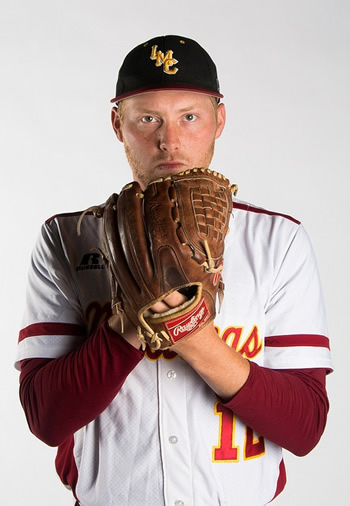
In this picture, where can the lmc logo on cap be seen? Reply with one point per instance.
(167, 61)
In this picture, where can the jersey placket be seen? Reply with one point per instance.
(174, 435)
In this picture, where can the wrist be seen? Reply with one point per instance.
(125, 330)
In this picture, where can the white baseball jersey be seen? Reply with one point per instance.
(165, 439)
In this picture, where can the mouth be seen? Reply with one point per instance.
(171, 165)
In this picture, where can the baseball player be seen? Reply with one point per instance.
(203, 420)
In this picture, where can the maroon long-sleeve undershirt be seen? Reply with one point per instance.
(287, 407)
(59, 396)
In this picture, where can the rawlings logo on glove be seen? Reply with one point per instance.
(188, 323)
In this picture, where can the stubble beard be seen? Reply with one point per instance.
(144, 175)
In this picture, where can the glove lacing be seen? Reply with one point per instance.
(96, 211)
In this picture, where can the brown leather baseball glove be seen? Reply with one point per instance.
(168, 237)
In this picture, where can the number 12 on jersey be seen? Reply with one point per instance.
(227, 451)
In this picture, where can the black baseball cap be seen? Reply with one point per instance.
(168, 62)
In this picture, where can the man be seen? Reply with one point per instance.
(202, 423)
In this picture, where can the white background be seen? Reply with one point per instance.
(284, 71)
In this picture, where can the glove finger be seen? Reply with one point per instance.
(167, 253)
(211, 198)
(117, 262)
(133, 236)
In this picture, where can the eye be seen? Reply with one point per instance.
(147, 119)
(190, 117)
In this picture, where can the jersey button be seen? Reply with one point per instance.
(173, 440)
(171, 374)
(179, 503)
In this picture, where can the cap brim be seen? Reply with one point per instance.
(172, 87)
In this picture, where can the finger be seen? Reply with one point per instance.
(175, 299)
(159, 307)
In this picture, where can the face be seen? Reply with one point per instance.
(166, 132)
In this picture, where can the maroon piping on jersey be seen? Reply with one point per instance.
(313, 340)
(259, 210)
(51, 329)
(65, 215)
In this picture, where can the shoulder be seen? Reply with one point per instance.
(95, 211)
(259, 221)
(71, 231)
(61, 216)
(248, 209)
(74, 221)
(265, 229)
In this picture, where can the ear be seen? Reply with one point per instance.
(116, 123)
(221, 120)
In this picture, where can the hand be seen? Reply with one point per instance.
(128, 331)
(220, 366)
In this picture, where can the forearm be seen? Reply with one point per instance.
(62, 395)
(221, 367)
(287, 407)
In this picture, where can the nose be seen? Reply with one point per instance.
(169, 138)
